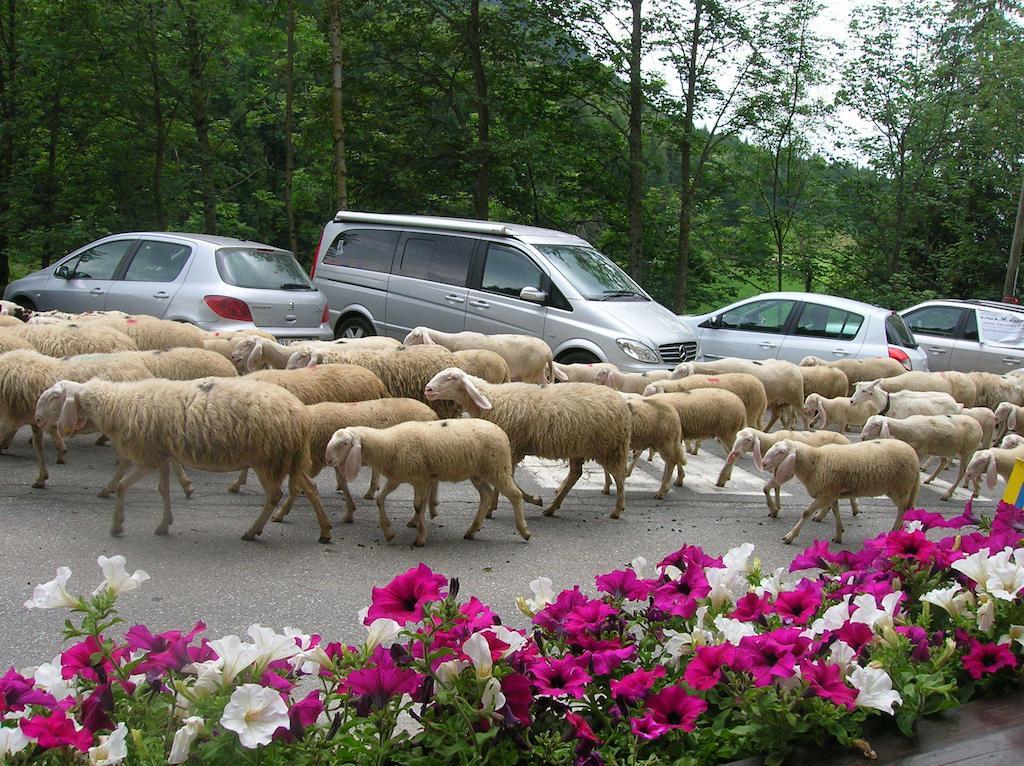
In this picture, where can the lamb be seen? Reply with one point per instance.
(833, 471)
(423, 453)
(328, 417)
(580, 373)
(782, 381)
(857, 370)
(1011, 440)
(214, 424)
(570, 421)
(1009, 418)
(992, 390)
(481, 363)
(901, 404)
(654, 425)
(747, 387)
(71, 339)
(630, 382)
(708, 413)
(992, 462)
(326, 383)
(758, 442)
(173, 364)
(820, 412)
(986, 419)
(942, 436)
(529, 359)
(251, 354)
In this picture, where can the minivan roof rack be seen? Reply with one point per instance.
(426, 222)
(1014, 307)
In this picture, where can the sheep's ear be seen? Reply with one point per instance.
(758, 455)
(68, 421)
(425, 335)
(990, 472)
(255, 360)
(884, 431)
(354, 461)
(786, 469)
(1011, 419)
(478, 398)
(560, 374)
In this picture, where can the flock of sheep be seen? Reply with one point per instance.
(171, 397)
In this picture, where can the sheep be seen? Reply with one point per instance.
(71, 339)
(529, 359)
(707, 413)
(1011, 440)
(12, 342)
(10, 321)
(829, 382)
(992, 389)
(326, 383)
(964, 389)
(151, 334)
(747, 387)
(251, 354)
(820, 412)
(992, 462)
(328, 417)
(423, 453)
(901, 404)
(857, 370)
(24, 375)
(654, 425)
(481, 363)
(1009, 418)
(942, 436)
(782, 381)
(758, 442)
(173, 364)
(986, 419)
(569, 421)
(223, 342)
(917, 381)
(580, 373)
(833, 471)
(213, 424)
(630, 382)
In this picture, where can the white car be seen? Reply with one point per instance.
(969, 336)
(790, 326)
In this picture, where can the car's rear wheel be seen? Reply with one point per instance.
(353, 326)
(577, 356)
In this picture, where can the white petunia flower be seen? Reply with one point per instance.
(448, 671)
(116, 579)
(727, 586)
(986, 614)
(209, 677)
(382, 632)
(738, 558)
(50, 678)
(234, 656)
(868, 613)
(734, 630)
(1005, 576)
(513, 638)
(835, 617)
(639, 566)
(492, 699)
(1015, 633)
(53, 594)
(271, 646)
(112, 748)
(543, 594)
(191, 728)
(874, 689)
(773, 584)
(974, 566)
(12, 740)
(254, 712)
(672, 573)
(841, 654)
(952, 599)
(479, 653)
(914, 526)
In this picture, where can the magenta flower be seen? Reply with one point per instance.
(826, 681)
(587, 617)
(750, 608)
(704, 671)
(918, 638)
(817, 556)
(856, 634)
(637, 685)
(984, 659)
(518, 699)
(605, 656)
(931, 520)
(56, 730)
(301, 715)
(646, 727)
(674, 708)
(798, 606)
(623, 583)
(1009, 519)
(165, 651)
(403, 598)
(84, 659)
(690, 554)
(911, 545)
(552, 617)
(96, 708)
(581, 729)
(16, 692)
(560, 677)
(766, 658)
(679, 597)
(377, 684)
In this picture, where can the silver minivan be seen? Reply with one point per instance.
(969, 336)
(386, 274)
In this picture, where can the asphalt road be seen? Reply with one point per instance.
(203, 570)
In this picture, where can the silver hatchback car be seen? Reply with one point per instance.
(216, 283)
(969, 336)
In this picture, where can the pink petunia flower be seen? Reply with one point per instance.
(587, 617)
(704, 671)
(301, 715)
(560, 677)
(16, 692)
(552, 617)
(911, 545)
(985, 659)
(623, 583)
(518, 699)
(379, 683)
(56, 730)
(164, 651)
(770, 655)
(817, 556)
(679, 597)
(604, 656)
(637, 685)
(403, 598)
(750, 608)
(646, 727)
(84, 659)
(690, 554)
(674, 708)
(799, 605)
(581, 728)
(826, 681)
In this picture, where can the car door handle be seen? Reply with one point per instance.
(1011, 360)
(840, 352)
(937, 350)
(480, 304)
(454, 298)
(96, 291)
(161, 294)
(766, 344)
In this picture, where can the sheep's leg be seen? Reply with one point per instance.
(817, 504)
(635, 459)
(37, 444)
(959, 477)
(776, 413)
(374, 485)
(650, 457)
(507, 486)
(839, 523)
(340, 485)
(58, 443)
(385, 526)
(618, 472)
(667, 453)
(820, 515)
(680, 461)
(575, 471)
(183, 480)
(854, 508)
(421, 495)
(350, 504)
(272, 490)
(137, 472)
(694, 446)
(939, 468)
(165, 495)
(298, 480)
(243, 476)
(101, 440)
(726, 472)
(773, 508)
(432, 502)
(607, 490)
(6, 436)
(122, 466)
(485, 491)
(531, 499)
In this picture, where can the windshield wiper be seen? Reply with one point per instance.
(609, 294)
(294, 286)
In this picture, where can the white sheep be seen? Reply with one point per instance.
(986, 419)
(992, 463)
(529, 359)
(941, 436)
(857, 370)
(423, 453)
(630, 382)
(835, 471)
(654, 425)
(580, 373)
(1009, 418)
(820, 412)
(991, 390)
(901, 404)
(782, 381)
(748, 388)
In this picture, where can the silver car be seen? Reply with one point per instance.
(791, 325)
(216, 283)
(385, 274)
(969, 336)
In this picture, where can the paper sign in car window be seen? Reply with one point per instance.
(1003, 329)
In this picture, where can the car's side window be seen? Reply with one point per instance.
(817, 321)
(508, 271)
(436, 258)
(759, 316)
(938, 321)
(98, 262)
(971, 326)
(370, 249)
(157, 262)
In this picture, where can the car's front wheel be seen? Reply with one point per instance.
(353, 326)
(577, 356)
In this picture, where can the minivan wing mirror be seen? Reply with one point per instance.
(533, 295)
(62, 272)
(711, 322)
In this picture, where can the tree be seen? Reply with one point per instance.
(337, 121)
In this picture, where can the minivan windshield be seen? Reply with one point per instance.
(590, 272)
(262, 269)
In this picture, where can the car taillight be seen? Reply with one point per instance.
(316, 254)
(326, 316)
(229, 308)
(900, 356)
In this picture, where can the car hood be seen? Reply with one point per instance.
(692, 321)
(647, 321)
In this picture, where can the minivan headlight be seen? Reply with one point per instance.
(639, 351)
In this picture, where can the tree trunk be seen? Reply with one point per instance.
(687, 181)
(8, 76)
(159, 126)
(289, 144)
(340, 168)
(200, 117)
(481, 186)
(49, 202)
(636, 101)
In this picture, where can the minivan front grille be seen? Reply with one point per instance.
(674, 353)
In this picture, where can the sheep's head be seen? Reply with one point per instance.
(812, 361)
(1011, 441)
(58, 406)
(864, 391)
(304, 357)
(458, 386)
(1002, 413)
(242, 350)
(814, 412)
(651, 390)
(605, 377)
(683, 370)
(345, 450)
(873, 428)
(781, 461)
(419, 336)
(983, 463)
(746, 440)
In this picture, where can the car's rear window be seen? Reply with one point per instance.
(262, 269)
(896, 332)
